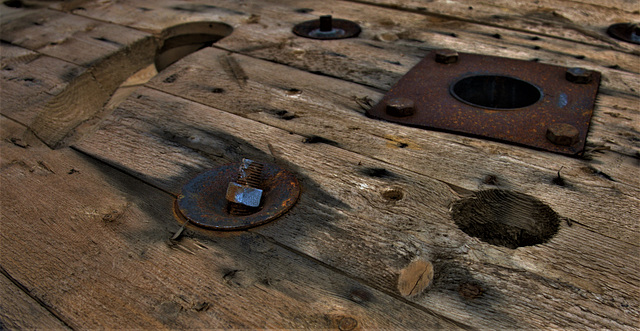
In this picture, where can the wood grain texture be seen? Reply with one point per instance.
(369, 58)
(312, 105)
(415, 278)
(26, 87)
(87, 233)
(18, 311)
(344, 220)
(94, 244)
(99, 47)
(571, 20)
(370, 61)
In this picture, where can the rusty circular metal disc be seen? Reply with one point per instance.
(202, 200)
(304, 29)
(625, 32)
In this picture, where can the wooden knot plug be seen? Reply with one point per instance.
(415, 278)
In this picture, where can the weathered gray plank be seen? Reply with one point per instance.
(344, 220)
(350, 217)
(30, 80)
(577, 21)
(389, 37)
(393, 41)
(309, 105)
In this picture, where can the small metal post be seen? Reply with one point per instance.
(326, 23)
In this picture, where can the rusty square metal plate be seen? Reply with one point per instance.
(523, 102)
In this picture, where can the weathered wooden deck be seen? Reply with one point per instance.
(90, 170)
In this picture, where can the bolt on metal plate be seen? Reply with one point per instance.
(225, 199)
(523, 102)
(327, 27)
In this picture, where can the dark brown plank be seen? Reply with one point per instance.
(94, 244)
(19, 311)
(344, 220)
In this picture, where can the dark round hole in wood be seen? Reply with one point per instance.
(506, 218)
(184, 39)
(393, 194)
(495, 92)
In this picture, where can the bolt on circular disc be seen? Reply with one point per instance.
(340, 29)
(203, 199)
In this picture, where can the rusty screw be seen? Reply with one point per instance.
(578, 75)
(244, 195)
(400, 107)
(446, 56)
(562, 134)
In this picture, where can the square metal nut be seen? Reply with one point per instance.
(244, 195)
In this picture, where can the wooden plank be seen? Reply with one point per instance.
(88, 43)
(344, 220)
(72, 38)
(310, 105)
(18, 311)
(389, 37)
(570, 20)
(151, 16)
(350, 217)
(381, 63)
(556, 20)
(94, 244)
(26, 87)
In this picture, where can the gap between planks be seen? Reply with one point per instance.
(44, 316)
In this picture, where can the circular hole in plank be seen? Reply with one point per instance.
(184, 39)
(506, 218)
(495, 92)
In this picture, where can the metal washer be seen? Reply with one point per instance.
(305, 29)
(202, 200)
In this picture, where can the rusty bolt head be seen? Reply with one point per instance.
(578, 75)
(244, 195)
(562, 134)
(446, 56)
(400, 107)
